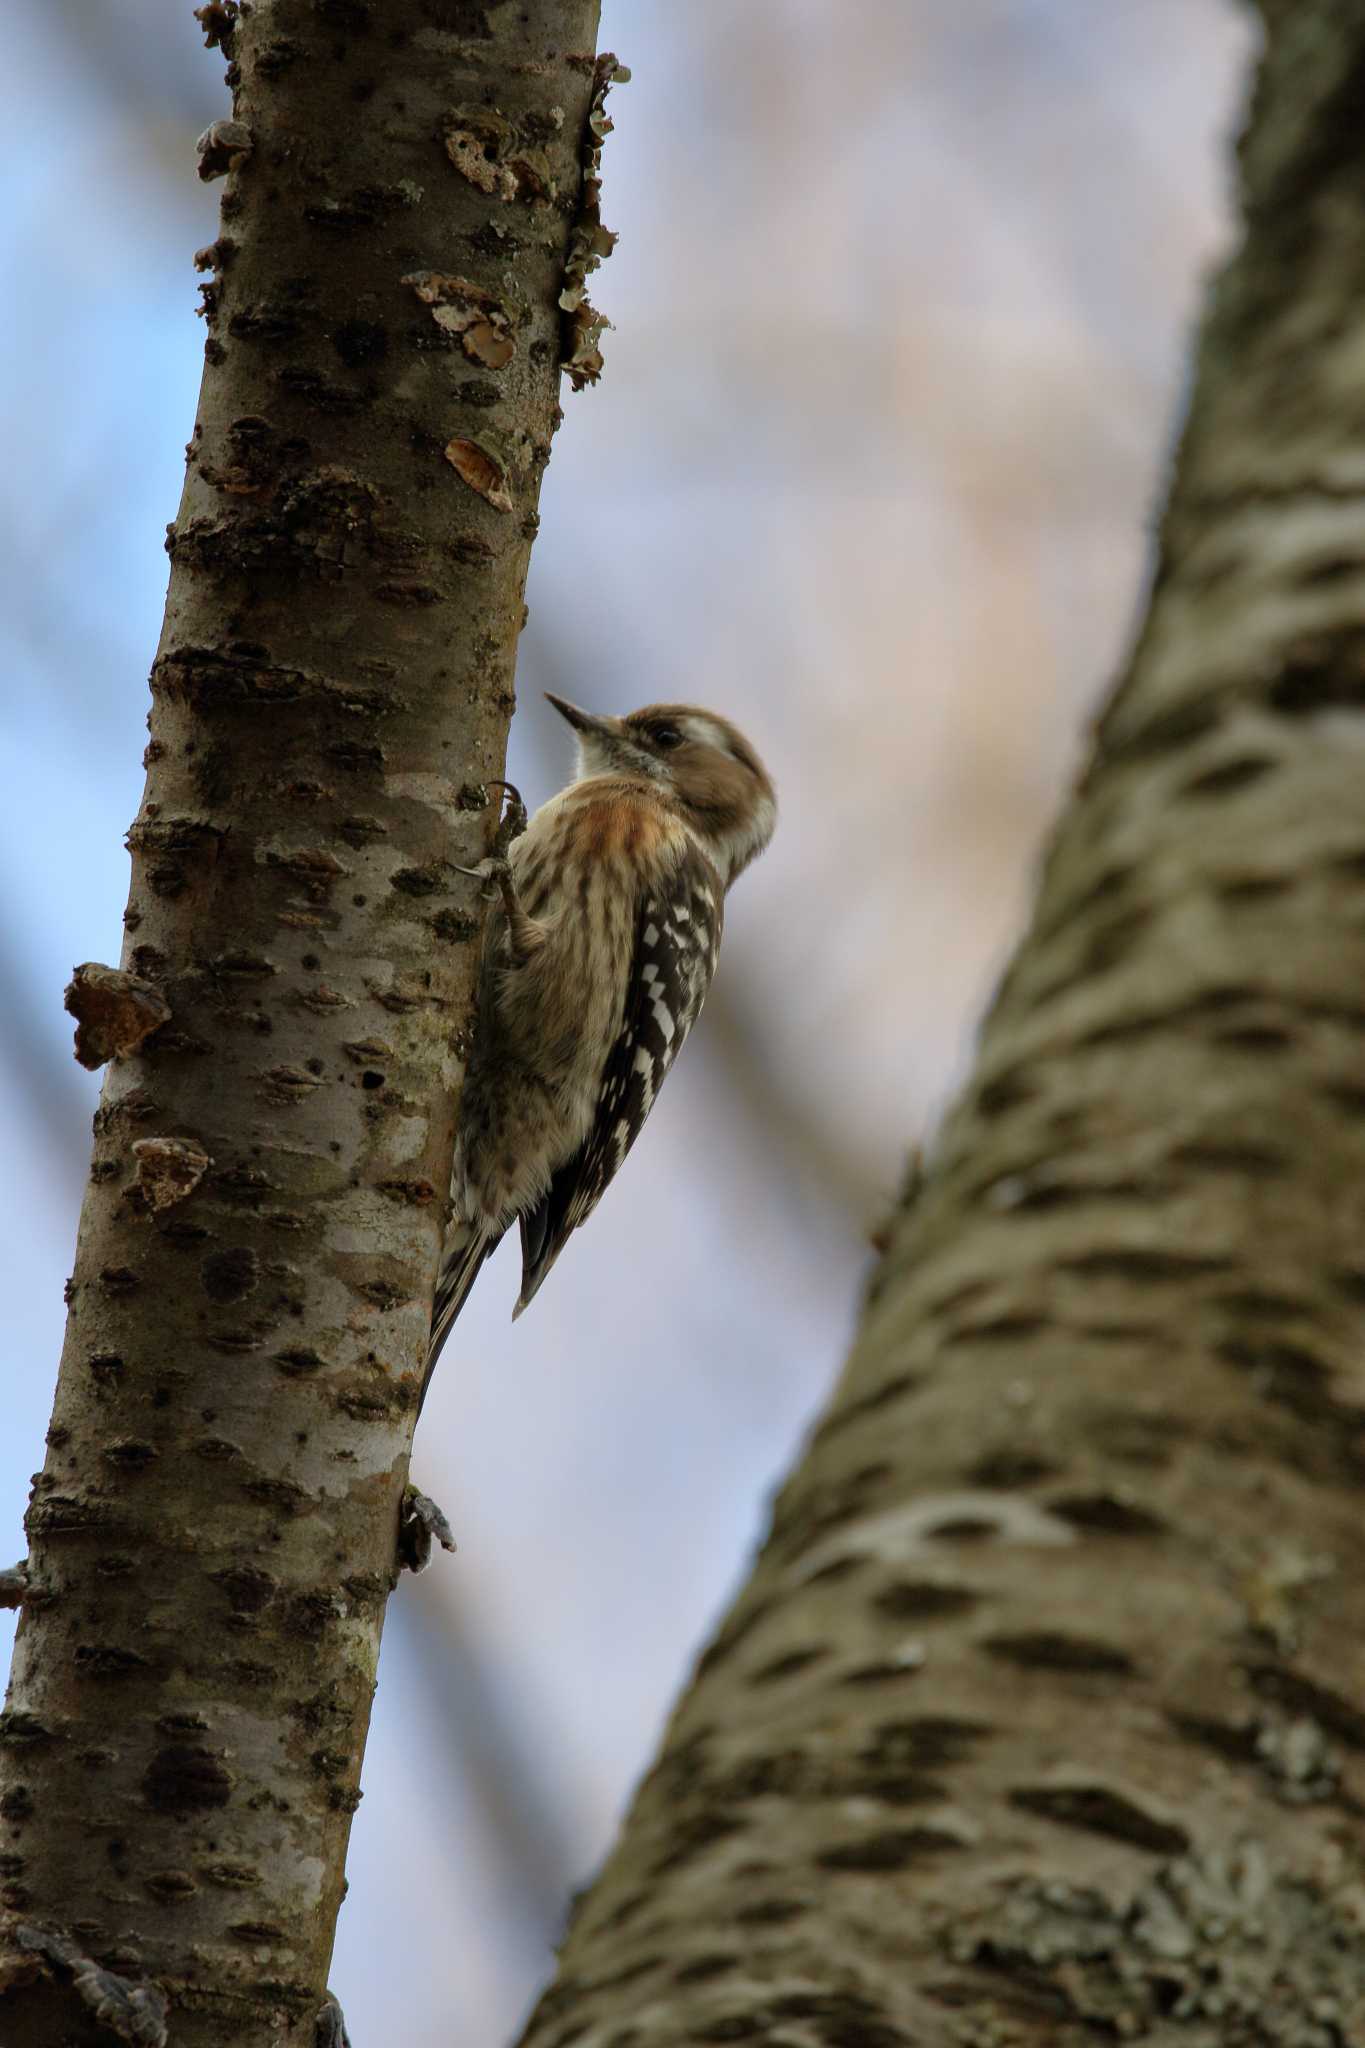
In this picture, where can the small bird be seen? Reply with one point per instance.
(596, 964)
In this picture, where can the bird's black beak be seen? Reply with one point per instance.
(581, 721)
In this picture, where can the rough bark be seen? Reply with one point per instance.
(212, 1538)
(1042, 1718)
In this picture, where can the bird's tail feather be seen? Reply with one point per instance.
(460, 1268)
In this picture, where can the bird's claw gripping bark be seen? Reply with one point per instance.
(524, 935)
(495, 870)
(512, 823)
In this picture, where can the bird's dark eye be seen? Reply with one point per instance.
(667, 736)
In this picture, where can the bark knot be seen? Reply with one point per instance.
(168, 1169)
(114, 1012)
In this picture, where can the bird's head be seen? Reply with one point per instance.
(703, 762)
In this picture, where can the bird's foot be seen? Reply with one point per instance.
(524, 935)
(512, 823)
(495, 872)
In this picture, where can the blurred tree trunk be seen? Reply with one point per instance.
(1042, 1718)
(213, 1535)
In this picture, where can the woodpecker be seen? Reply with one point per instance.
(596, 964)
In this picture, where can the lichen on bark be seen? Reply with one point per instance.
(213, 1534)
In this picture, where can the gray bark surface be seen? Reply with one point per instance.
(212, 1536)
(1042, 1718)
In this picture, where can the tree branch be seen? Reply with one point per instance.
(212, 1538)
(1042, 1715)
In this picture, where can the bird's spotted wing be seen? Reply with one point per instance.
(677, 940)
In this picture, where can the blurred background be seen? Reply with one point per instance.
(903, 298)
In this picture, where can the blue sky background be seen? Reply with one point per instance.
(902, 300)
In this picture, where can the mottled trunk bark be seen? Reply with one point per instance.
(1043, 1716)
(213, 1535)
